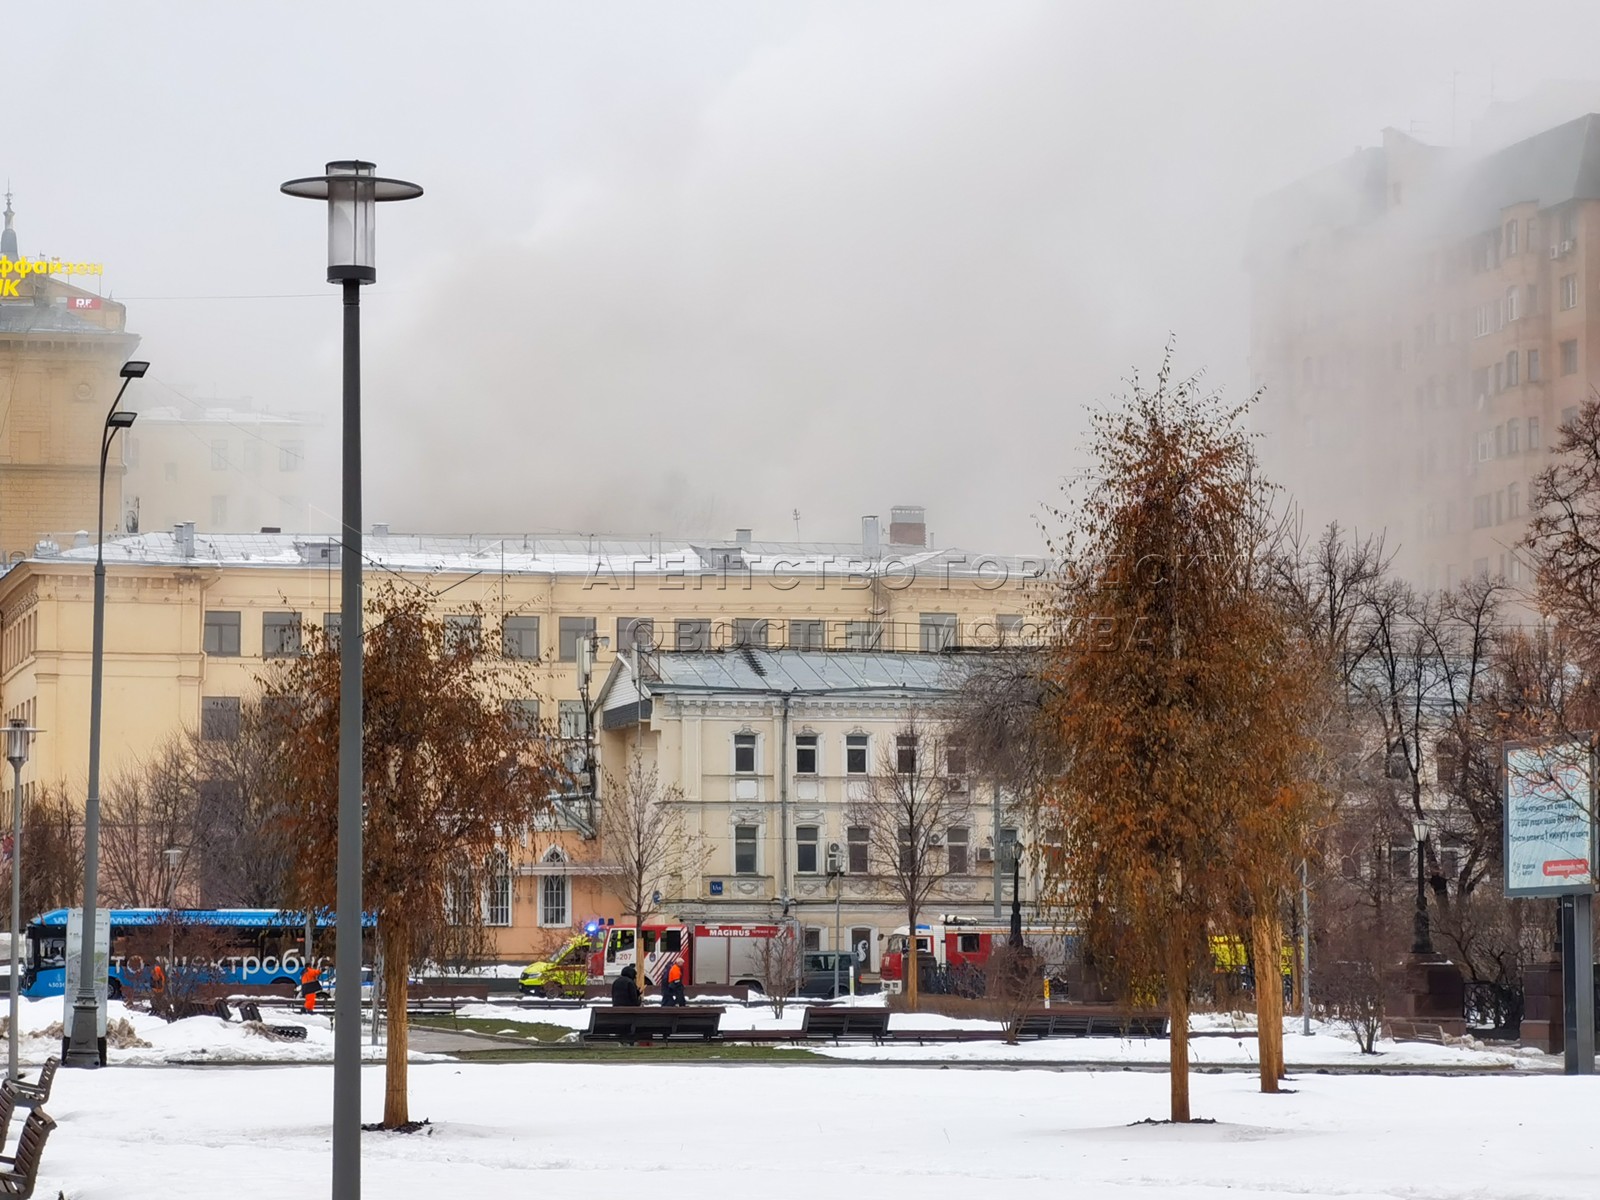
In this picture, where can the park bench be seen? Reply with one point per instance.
(839, 1023)
(20, 1172)
(1402, 1030)
(654, 1024)
(1066, 1022)
(249, 1010)
(31, 1095)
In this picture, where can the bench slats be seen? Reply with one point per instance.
(23, 1168)
(839, 1023)
(652, 1024)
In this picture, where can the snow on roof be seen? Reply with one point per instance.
(608, 561)
(794, 671)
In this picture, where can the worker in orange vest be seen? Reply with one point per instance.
(672, 993)
(158, 989)
(310, 985)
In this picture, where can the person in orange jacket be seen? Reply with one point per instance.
(310, 985)
(672, 989)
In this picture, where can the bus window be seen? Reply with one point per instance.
(621, 939)
(672, 940)
(649, 940)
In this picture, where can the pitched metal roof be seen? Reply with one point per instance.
(801, 671)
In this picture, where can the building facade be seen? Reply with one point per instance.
(768, 759)
(193, 619)
(1423, 322)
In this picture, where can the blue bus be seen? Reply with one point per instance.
(245, 947)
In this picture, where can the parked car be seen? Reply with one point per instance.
(817, 973)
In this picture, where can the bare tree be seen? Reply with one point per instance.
(779, 960)
(238, 859)
(644, 845)
(908, 810)
(52, 847)
(149, 809)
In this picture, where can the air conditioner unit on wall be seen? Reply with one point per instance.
(985, 854)
(1555, 251)
(957, 784)
(1566, 247)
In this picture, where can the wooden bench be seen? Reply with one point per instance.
(839, 1022)
(1402, 1030)
(31, 1095)
(20, 1172)
(249, 1010)
(652, 1024)
(1066, 1022)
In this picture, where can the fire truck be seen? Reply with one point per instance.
(718, 952)
(964, 944)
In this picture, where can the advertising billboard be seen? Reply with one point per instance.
(1549, 819)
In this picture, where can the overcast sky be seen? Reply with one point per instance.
(687, 266)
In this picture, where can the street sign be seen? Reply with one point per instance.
(716, 887)
(1549, 819)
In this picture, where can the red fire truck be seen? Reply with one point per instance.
(964, 943)
(717, 952)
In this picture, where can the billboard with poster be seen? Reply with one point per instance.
(1549, 818)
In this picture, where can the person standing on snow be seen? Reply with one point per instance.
(625, 991)
(672, 990)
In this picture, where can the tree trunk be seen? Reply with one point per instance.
(1265, 940)
(1178, 1023)
(396, 972)
(913, 993)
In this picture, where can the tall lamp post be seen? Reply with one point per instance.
(1422, 939)
(835, 865)
(82, 1041)
(1015, 853)
(352, 189)
(16, 753)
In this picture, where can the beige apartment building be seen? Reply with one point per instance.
(1423, 321)
(773, 751)
(192, 618)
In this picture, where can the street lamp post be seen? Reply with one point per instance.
(835, 866)
(1016, 894)
(1421, 940)
(17, 753)
(352, 189)
(81, 1045)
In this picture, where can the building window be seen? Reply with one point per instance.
(744, 754)
(692, 636)
(635, 633)
(523, 714)
(744, 849)
(331, 624)
(1569, 357)
(1513, 501)
(219, 454)
(219, 718)
(1569, 414)
(1480, 568)
(905, 753)
(811, 938)
(497, 903)
(750, 631)
(805, 754)
(1482, 511)
(1533, 366)
(1569, 291)
(955, 840)
(1569, 224)
(807, 635)
(855, 754)
(1009, 627)
(1533, 433)
(219, 512)
(907, 850)
(553, 906)
(291, 455)
(1483, 320)
(1512, 296)
(1513, 436)
(855, 840)
(938, 631)
(251, 457)
(519, 638)
(1513, 369)
(280, 634)
(569, 719)
(463, 633)
(222, 634)
(571, 630)
(862, 635)
(1512, 229)
(955, 758)
(805, 849)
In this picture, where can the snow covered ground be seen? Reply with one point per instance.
(797, 1133)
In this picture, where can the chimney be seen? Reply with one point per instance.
(908, 525)
(870, 537)
(80, 540)
(380, 529)
(741, 537)
(183, 538)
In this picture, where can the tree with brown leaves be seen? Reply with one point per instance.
(1178, 694)
(451, 780)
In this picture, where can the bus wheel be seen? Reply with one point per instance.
(114, 989)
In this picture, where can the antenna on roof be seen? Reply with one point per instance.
(797, 524)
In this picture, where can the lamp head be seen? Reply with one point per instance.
(120, 419)
(17, 734)
(352, 189)
(134, 370)
(1419, 829)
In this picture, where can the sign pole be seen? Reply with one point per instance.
(1578, 950)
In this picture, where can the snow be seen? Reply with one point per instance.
(795, 1132)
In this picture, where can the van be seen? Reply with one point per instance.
(817, 973)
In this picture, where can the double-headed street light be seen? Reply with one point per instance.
(81, 1044)
(352, 188)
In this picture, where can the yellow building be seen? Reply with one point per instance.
(192, 616)
(61, 348)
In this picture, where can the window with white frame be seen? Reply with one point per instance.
(956, 840)
(1569, 291)
(807, 635)
(855, 754)
(519, 638)
(744, 850)
(805, 849)
(1513, 372)
(463, 633)
(1513, 436)
(554, 906)
(744, 754)
(1513, 304)
(905, 753)
(497, 897)
(856, 844)
(805, 754)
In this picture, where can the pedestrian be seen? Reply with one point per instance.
(672, 991)
(158, 989)
(310, 986)
(625, 991)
